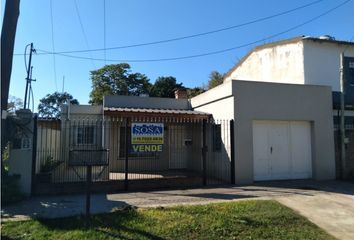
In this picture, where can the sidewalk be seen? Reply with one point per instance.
(66, 205)
(330, 205)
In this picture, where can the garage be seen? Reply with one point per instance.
(282, 150)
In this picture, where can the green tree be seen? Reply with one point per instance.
(165, 87)
(14, 104)
(192, 92)
(117, 79)
(215, 79)
(49, 106)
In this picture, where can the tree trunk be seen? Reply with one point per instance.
(8, 32)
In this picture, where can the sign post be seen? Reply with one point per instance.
(88, 189)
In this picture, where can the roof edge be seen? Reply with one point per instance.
(282, 42)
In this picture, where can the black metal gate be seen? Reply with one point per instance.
(194, 153)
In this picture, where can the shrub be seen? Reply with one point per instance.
(49, 165)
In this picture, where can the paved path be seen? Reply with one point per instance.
(330, 205)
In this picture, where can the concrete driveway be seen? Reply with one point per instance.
(328, 204)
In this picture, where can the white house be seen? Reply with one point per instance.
(299, 60)
(307, 61)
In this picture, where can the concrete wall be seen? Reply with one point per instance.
(307, 61)
(219, 101)
(279, 63)
(69, 112)
(322, 63)
(20, 160)
(272, 101)
(145, 102)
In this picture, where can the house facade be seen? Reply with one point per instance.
(271, 119)
(282, 131)
(299, 60)
(308, 61)
(177, 158)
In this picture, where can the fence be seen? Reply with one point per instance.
(188, 153)
(349, 160)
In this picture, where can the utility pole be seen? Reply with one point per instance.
(29, 75)
(342, 113)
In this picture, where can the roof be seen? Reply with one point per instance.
(283, 42)
(135, 112)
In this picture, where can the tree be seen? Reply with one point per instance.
(14, 104)
(165, 87)
(117, 79)
(192, 92)
(50, 104)
(8, 33)
(215, 79)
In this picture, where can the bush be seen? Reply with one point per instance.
(10, 189)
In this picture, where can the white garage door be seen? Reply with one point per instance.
(282, 150)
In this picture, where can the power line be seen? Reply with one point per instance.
(190, 36)
(53, 46)
(83, 30)
(208, 53)
(104, 30)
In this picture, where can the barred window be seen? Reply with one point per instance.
(85, 135)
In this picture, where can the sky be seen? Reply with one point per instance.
(135, 22)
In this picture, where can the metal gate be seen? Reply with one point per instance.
(194, 153)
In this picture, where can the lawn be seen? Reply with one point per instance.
(251, 219)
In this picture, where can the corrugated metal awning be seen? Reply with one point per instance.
(155, 112)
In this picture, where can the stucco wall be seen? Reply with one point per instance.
(74, 112)
(272, 101)
(322, 63)
(218, 101)
(282, 63)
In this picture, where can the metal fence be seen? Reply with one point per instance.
(194, 152)
(344, 170)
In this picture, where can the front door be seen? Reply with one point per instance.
(178, 153)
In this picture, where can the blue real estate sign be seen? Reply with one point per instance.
(147, 137)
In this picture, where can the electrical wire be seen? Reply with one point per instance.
(208, 53)
(25, 55)
(104, 30)
(53, 45)
(83, 31)
(193, 35)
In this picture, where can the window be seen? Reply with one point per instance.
(85, 135)
(217, 138)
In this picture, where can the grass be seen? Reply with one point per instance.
(251, 219)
